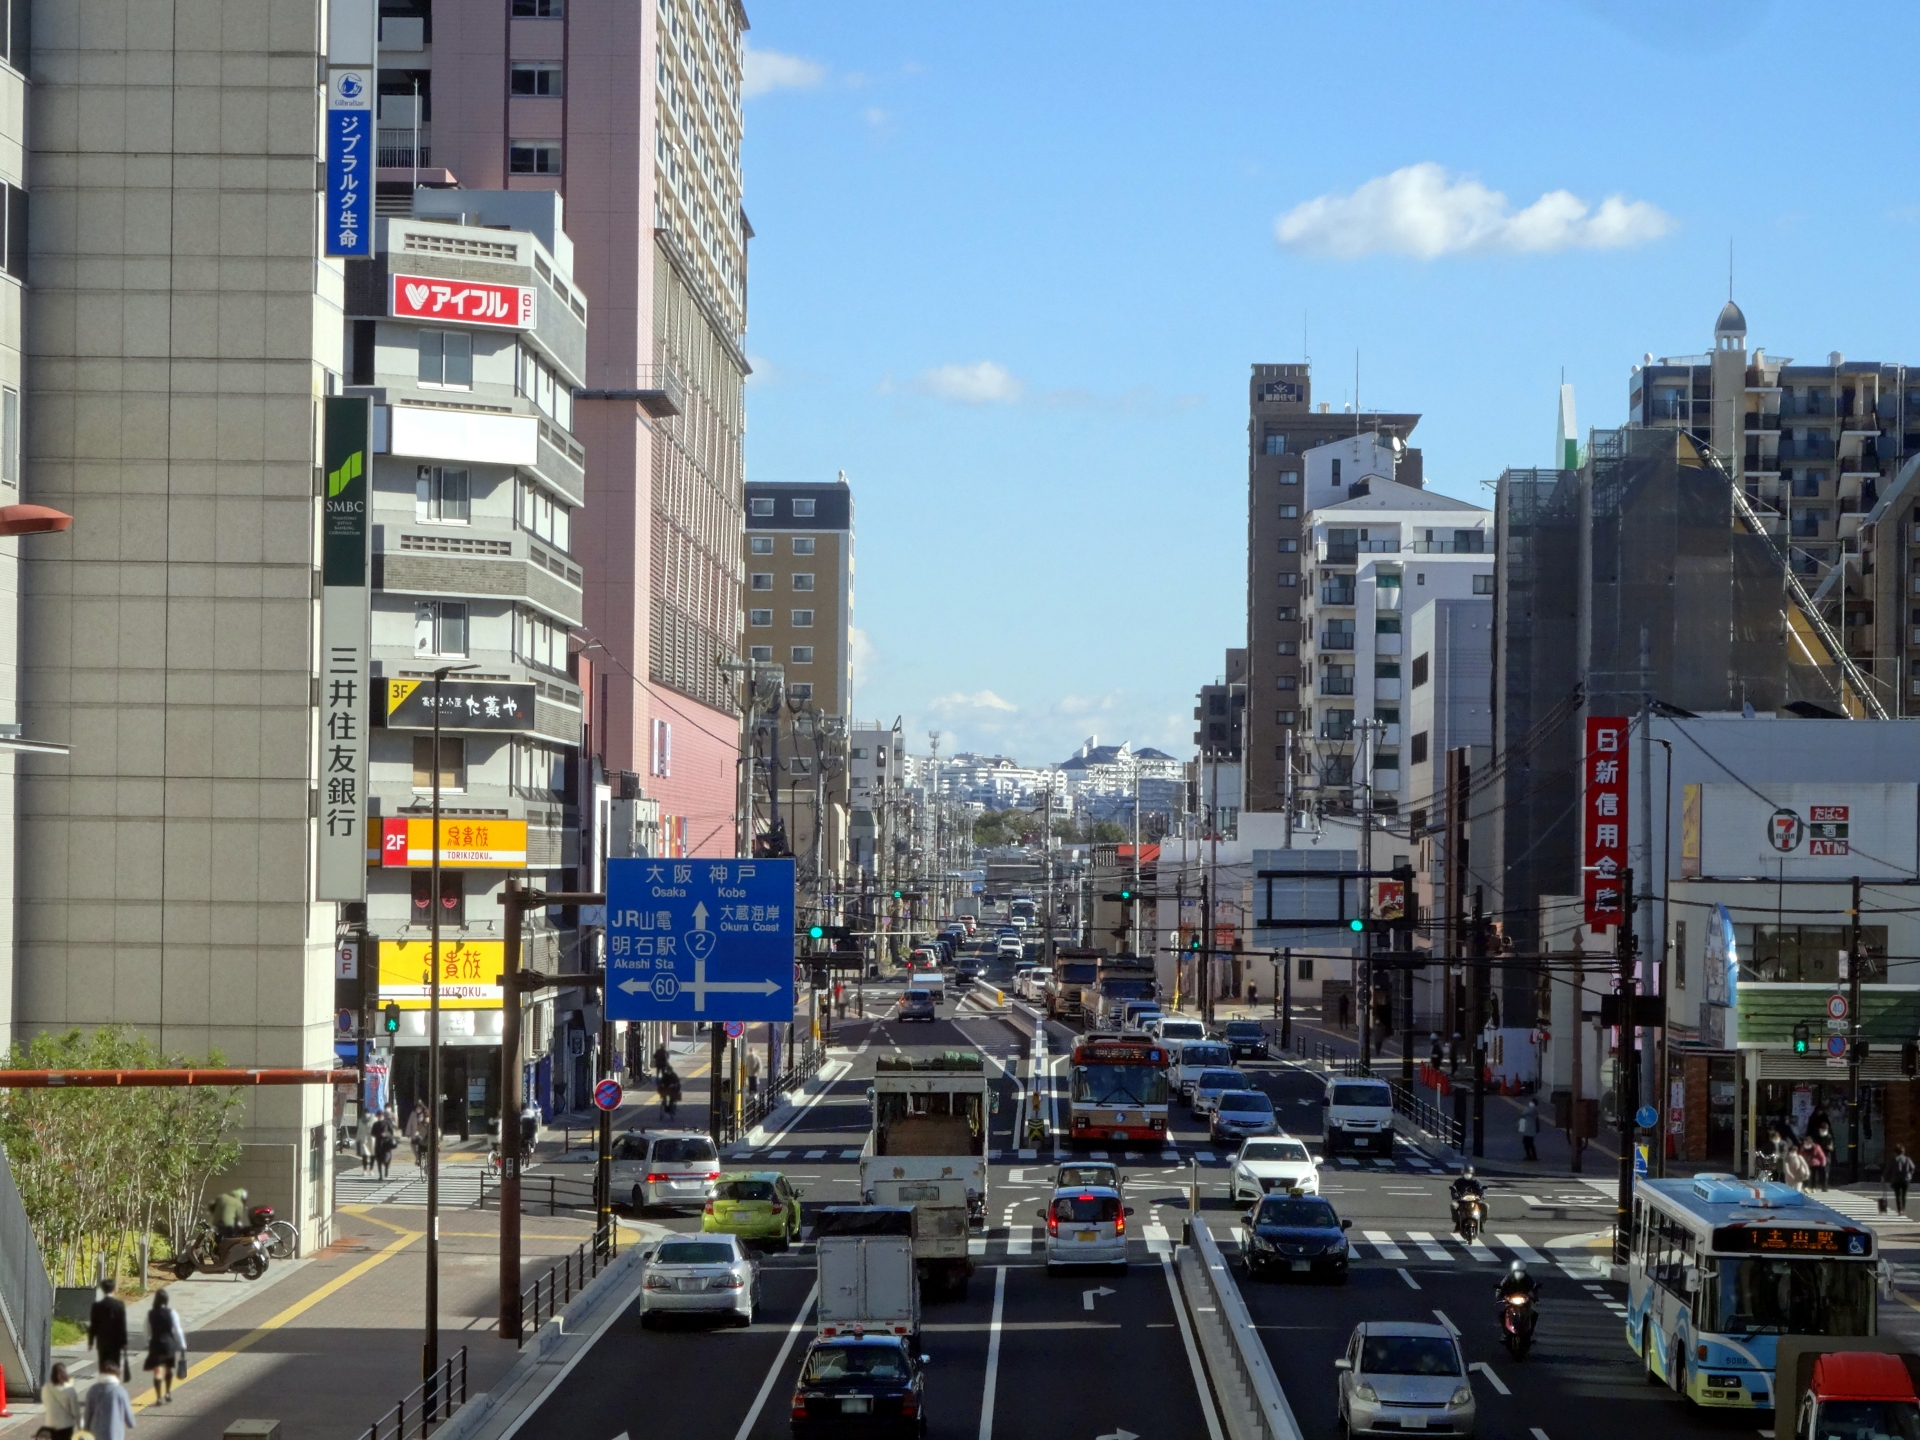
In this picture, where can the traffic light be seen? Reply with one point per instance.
(1802, 1037)
(1361, 926)
(816, 932)
(899, 894)
(390, 1017)
(1910, 1058)
(1193, 941)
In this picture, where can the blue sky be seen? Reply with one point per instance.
(1013, 261)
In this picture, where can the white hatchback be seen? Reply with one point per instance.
(1086, 1225)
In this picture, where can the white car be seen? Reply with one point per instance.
(1277, 1163)
(665, 1168)
(1172, 1028)
(1086, 1225)
(1212, 1084)
(700, 1274)
(1191, 1059)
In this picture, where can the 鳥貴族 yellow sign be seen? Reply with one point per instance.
(470, 973)
(406, 843)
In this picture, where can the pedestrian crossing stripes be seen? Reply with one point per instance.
(457, 1191)
(1411, 1164)
(1154, 1239)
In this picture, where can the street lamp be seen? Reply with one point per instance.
(430, 1356)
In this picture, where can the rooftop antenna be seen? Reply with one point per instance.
(1356, 390)
(1729, 269)
(1305, 354)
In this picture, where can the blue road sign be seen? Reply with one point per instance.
(700, 940)
(1646, 1117)
(735, 1029)
(1837, 1046)
(607, 1094)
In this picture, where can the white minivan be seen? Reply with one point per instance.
(1359, 1115)
(1086, 1225)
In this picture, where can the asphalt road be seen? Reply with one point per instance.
(1025, 1354)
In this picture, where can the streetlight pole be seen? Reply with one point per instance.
(430, 1353)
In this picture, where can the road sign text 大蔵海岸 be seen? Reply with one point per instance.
(700, 939)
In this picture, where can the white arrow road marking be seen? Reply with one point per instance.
(1086, 1296)
(1129, 1435)
(1487, 1370)
(1538, 1433)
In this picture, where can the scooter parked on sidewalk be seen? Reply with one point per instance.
(245, 1254)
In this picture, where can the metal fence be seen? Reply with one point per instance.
(26, 1294)
(1428, 1118)
(430, 1403)
(544, 1192)
(562, 1282)
(808, 1056)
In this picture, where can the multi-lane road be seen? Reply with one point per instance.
(1028, 1354)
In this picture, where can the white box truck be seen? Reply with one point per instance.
(928, 1149)
(869, 1278)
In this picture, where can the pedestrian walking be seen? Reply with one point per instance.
(1434, 1056)
(108, 1414)
(416, 1132)
(107, 1326)
(1816, 1158)
(753, 1073)
(529, 1128)
(1530, 1127)
(673, 1093)
(1795, 1170)
(166, 1347)
(363, 1140)
(61, 1403)
(384, 1144)
(660, 1058)
(1900, 1176)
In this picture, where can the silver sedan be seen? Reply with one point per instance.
(710, 1274)
(1400, 1375)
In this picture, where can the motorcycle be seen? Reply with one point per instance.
(1517, 1319)
(1470, 1218)
(245, 1254)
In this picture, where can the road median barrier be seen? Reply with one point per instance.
(1251, 1403)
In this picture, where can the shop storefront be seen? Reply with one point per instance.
(469, 1102)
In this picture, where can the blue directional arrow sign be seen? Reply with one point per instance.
(700, 939)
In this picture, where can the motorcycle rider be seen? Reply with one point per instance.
(1516, 1282)
(229, 1214)
(1466, 1186)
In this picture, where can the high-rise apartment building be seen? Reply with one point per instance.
(632, 112)
(1821, 454)
(1283, 424)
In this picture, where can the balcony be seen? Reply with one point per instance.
(1475, 546)
(1339, 554)
(1386, 644)
(1386, 597)
(1336, 639)
(1386, 689)
(1336, 733)
(657, 390)
(1379, 547)
(393, 147)
(1336, 684)
(1336, 595)
(1757, 421)
(1390, 734)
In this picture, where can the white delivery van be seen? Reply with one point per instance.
(868, 1276)
(1359, 1115)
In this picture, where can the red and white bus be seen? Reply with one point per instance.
(1119, 1090)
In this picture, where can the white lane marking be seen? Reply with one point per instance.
(1492, 1379)
(1200, 1383)
(1087, 1296)
(1433, 1248)
(976, 1247)
(814, 1155)
(993, 1354)
(779, 1364)
(1097, 1154)
(1482, 1253)
(779, 1155)
(1158, 1241)
(1407, 1275)
(1019, 1239)
(826, 1087)
(1520, 1247)
(1205, 1157)
(1452, 1329)
(1539, 1434)
(1383, 1242)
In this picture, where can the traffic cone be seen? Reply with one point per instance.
(4, 1409)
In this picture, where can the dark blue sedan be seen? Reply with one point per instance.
(1297, 1235)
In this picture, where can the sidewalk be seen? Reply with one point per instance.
(326, 1345)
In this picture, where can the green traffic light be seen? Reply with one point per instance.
(817, 932)
(1356, 925)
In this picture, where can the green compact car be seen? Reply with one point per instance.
(757, 1205)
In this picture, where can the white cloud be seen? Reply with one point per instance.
(765, 71)
(861, 655)
(982, 383)
(1425, 212)
(979, 700)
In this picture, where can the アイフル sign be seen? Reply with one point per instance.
(1603, 829)
(461, 302)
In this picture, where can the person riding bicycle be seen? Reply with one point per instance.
(1466, 1186)
(1516, 1282)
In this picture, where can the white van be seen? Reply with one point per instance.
(1359, 1115)
(1190, 1058)
(928, 977)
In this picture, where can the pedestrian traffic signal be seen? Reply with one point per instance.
(1859, 1053)
(1910, 1058)
(1802, 1036)
(391, 1017)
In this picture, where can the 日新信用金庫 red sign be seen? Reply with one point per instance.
(1603, 829)
(463, 302)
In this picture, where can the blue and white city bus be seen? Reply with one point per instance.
(1722, 1267)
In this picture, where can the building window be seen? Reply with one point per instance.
(10, 436)
(1419, 671)
(763, 654)
(446, 359)
(760, 544)
(1287, 612)
(533, 157)
(1287, 580)
(1305, 964)
(1289, 547)
(453, 894)
(1420, 748)
(453, 762)
(440, 627)
(1273, 443)
(534, 77)
(759, 618)
(803, 619)
(537, 9)
(1282, 717)
(1289, 477)
(660, 762)
(803, 654)
(760, 580)
(1386, 624)
(1483, 584)
(803, 509)
(441, 495)
(803, 545)
(803, 580)
(1289, 512)
(1286, 682)
(800, 690)
(1286, 647)
(760, 506)
(538, 641)
(1419, 577)
(1386, 669)
(1336, 472)
(540, 514)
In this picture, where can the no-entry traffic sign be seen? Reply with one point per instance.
(606, 1094)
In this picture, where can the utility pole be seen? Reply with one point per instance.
(1286, 783)
(1454, 839)
(1412, 914)
(1853, 1033)
(1206, 950)
(1363, 1007)
(1627, 1068)
(1654, 950)
(1476, 1021)
(1137, 903)
(1286, 999)
(1576, 1122)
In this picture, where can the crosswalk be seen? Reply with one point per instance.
(1406, 1163)
(458, 1191)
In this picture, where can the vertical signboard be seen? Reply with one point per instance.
(1603, 829)
(343, 650)
(350, 163)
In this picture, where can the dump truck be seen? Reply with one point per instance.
(1075, 973)
(927, 1149)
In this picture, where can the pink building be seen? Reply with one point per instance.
(632, 112)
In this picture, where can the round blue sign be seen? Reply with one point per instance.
(1646, 1117)
(606, 1095)
(1837, 1046)
(735, 1029)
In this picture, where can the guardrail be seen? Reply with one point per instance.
(550, 1189)
(1252, 1404)
(430, 1403)
(1427, 1118)
(560, 1284)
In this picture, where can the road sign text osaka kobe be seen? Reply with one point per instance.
(700, 940)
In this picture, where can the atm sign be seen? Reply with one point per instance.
(1827, 829)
